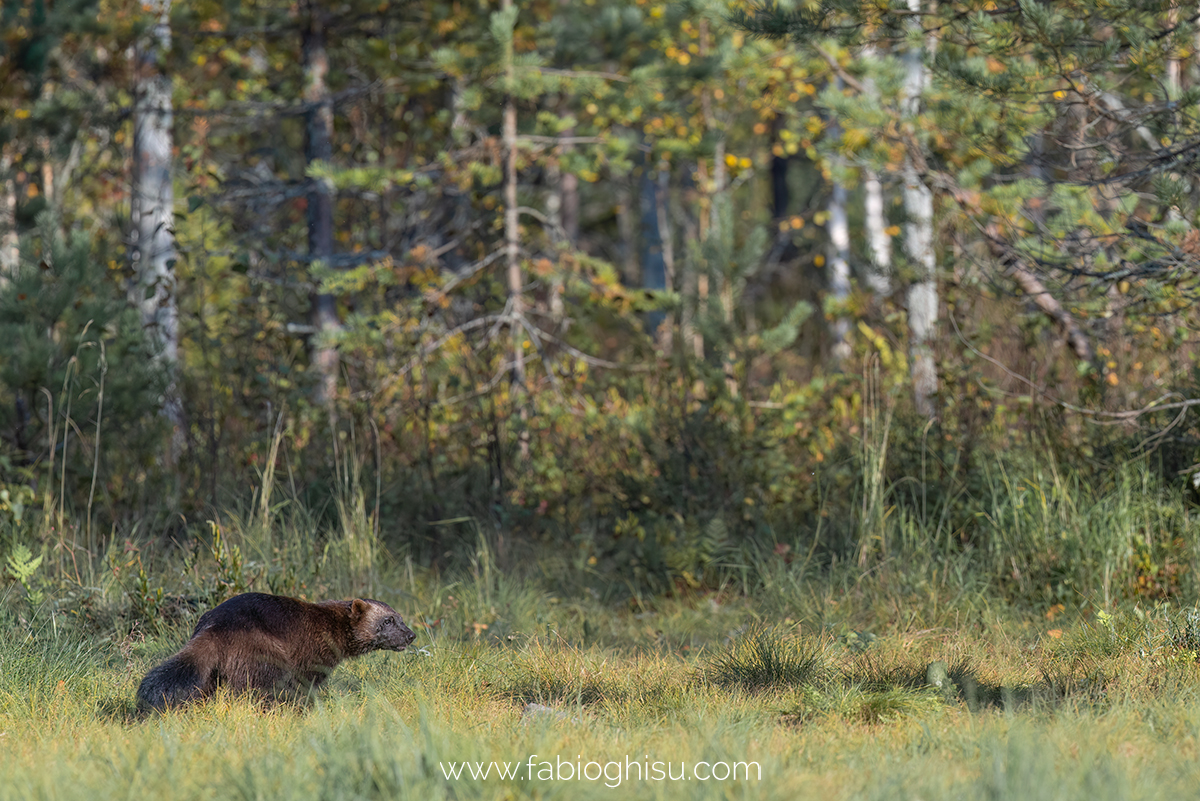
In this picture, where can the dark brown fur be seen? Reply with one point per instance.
(271, 644)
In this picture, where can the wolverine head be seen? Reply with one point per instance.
(380, 625)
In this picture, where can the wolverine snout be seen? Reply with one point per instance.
(402, 638)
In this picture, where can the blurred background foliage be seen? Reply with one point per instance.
(656, 379)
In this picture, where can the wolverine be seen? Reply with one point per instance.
(272, 645)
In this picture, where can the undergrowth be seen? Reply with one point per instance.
(928, 664)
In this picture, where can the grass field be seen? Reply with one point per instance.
(918, 667)
(833, 700)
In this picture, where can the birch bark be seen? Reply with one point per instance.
(152, 211)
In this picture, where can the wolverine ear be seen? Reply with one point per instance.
(358, 609)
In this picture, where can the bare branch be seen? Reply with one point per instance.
(608, 76)
(1037, 291)
(463, 275)
(850, 80)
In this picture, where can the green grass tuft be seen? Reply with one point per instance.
(765, 659)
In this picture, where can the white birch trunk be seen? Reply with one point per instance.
(918, 243)
(554, 206)
(839, 270)
(152, 208)
(716, 206)
(839, 255)
(9, 246)
(879, 275)
(512, 239)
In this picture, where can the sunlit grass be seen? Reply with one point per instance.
(817, 674)
(1109, 710)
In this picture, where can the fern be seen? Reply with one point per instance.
(22, 564)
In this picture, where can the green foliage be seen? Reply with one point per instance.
(23, 565)
(67, 322)
(14, 500)
(230, 577)
(674, 464)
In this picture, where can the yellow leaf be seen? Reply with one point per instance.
(855, 138)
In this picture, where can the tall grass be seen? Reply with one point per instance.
(1064, 610)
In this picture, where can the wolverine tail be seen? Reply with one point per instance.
(172, 683)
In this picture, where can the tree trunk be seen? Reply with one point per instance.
(693, 339)
(918, 243)
(780, 193)
(839, 256)
(554, 205)
(725, 291)
(152, 211)
(568, 189)
(664, 224)
(1173, 63)
(9, 243)
(626, 246)
(512, 237)
(839, 272)
(654, 274)
(318, 147)
(879, 274)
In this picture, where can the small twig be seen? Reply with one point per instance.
(536, 338)
(563, 140)
(425, 350)
(463, 275)
(850, 80)
(595, 361)
(500, 375)
(608, 76)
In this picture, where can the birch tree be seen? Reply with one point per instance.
(8, 220)
(152, 235)
(918, 234)
(839, 255)
(879, 275)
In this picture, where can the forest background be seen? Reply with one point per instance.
(654, 296)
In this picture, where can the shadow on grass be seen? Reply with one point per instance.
(869, 692)
(1077, 682)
